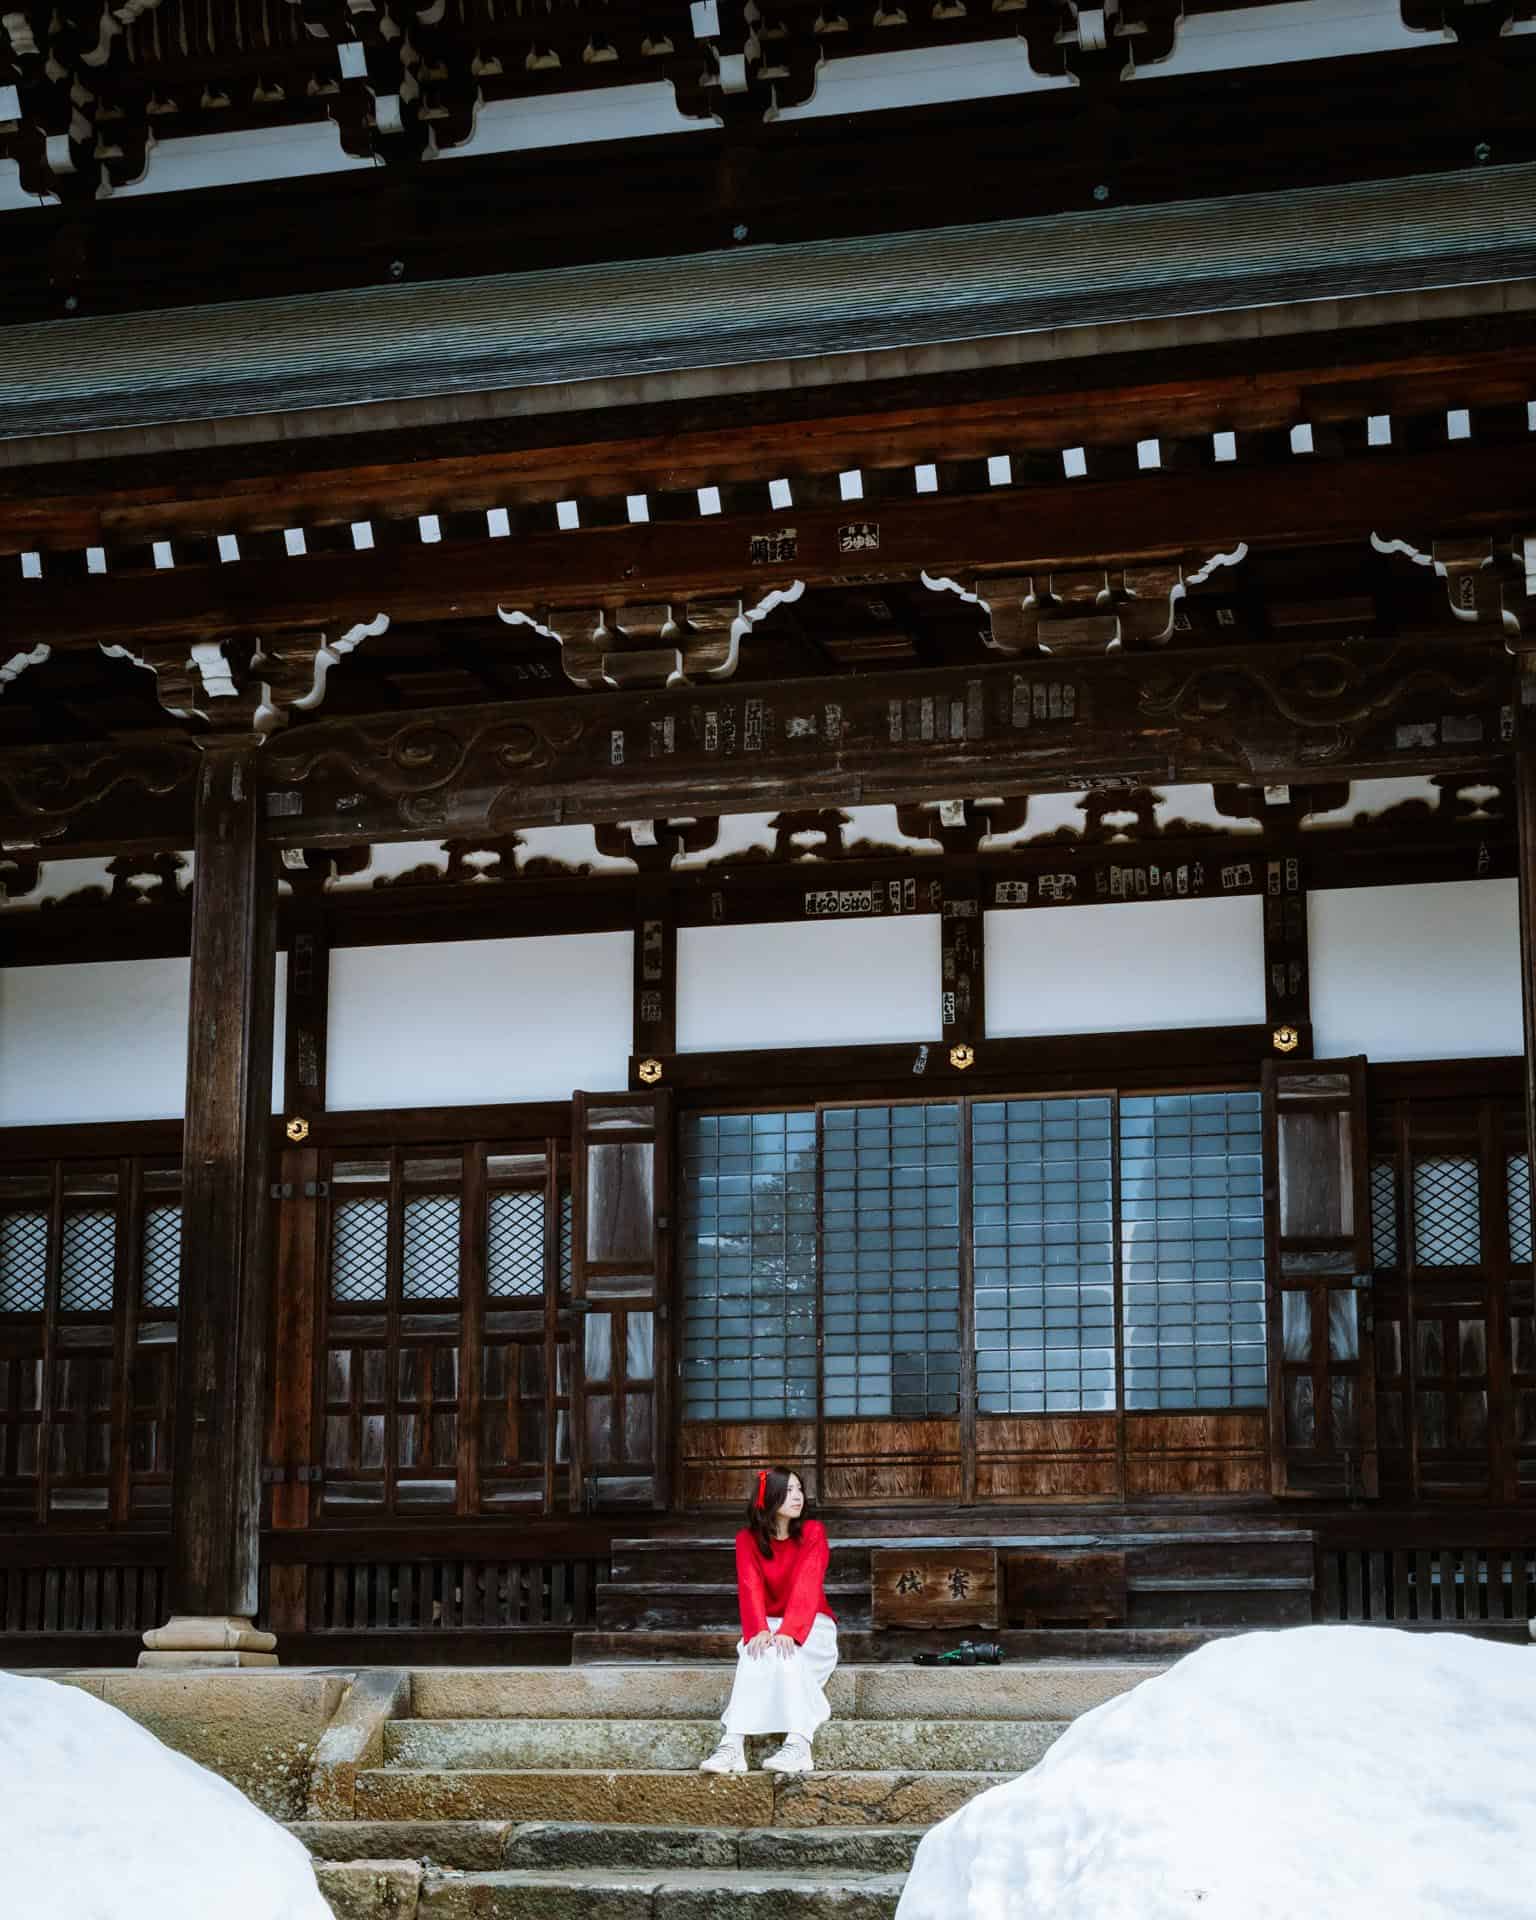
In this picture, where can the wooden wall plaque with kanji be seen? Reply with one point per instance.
(934, 1587)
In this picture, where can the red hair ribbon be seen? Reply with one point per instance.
(762, 1488)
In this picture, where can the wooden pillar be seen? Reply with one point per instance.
(216, 1504)
(1287, 970)
(655, 990)
(1526, 861)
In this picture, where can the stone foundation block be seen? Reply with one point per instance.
(371, 1889)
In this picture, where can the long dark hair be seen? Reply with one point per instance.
(760, 1513)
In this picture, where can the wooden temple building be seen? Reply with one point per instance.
(755, 732)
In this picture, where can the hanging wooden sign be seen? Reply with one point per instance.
(934, 1587)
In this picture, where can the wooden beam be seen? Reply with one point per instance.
(1249, 386)
(922, 1069)
(222, 1332)
(1063, 525)
(1281, 713)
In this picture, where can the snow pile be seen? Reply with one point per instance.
(1325, 1771)
(98, 1821)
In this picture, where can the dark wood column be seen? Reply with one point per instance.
(225, 1216)
(1526, 863)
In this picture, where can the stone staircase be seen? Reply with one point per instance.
(572, 1793)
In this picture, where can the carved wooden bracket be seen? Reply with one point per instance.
(1488, 582)
(1084, 612)
(654, 845)
(1466, 19)
(1107, 42)
(651, 643)
(19, 875)
(245, 687)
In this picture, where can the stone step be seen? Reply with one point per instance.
(610, 1894)
(554, 1843)
(1120, 1645)
(489, 1845)
(992, 1746)
(698, 1690)
(446, 1843)
(659, 1798)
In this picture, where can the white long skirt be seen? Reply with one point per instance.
(773, 1695)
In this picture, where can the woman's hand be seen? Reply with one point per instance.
(759, 1644)
(785, 1645)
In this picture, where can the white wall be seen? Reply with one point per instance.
(1116, 969)
(106, 1040)
(1416, 973)
(472, 1022)
(808, 984)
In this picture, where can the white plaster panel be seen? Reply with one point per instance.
(808, 984)
(103, 1041)
(1416, 973)
(1125, 968)
(475, 1022)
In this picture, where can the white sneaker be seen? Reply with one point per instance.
(793, 1757)
(728, 1757)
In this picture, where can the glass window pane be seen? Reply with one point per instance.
(748, 1255)
(1192, 1251)
(514, 1244)
(360, 1250)
(1518, 1171)
(23, 1262)
(86, 1261)
(1044, 1257)
(160, 1273)
(1446, 1230)
(430, 1247)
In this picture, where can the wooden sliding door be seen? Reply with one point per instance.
(621, 1179)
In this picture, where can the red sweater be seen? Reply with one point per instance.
(789, 1585)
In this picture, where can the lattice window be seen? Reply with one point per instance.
(567, 1270)
(1447, 1229)
(1043, 1222)
(514, 1246)
(23, 1261)
(87, 1253)
(160, 1275)
(1517, 1168)
(430, 1247)
(891, 1261)
(1192, 1250)
(360, 1250)
(1384, 1247)
(749, 1266)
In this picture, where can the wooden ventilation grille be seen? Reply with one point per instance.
(1446, 1229)
(23, 1262)
(514, 1246)
(1518, 1177)
(1043, 1218)
(87, 1251)
(891, 1261)
(430, 1247)
(1412, 1585)
(360, 1250)
(1384, 1251)
(160, 1279)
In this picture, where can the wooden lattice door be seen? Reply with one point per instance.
(1322, 1376)
(620, 1245)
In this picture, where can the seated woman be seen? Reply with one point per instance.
(788, 1644)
